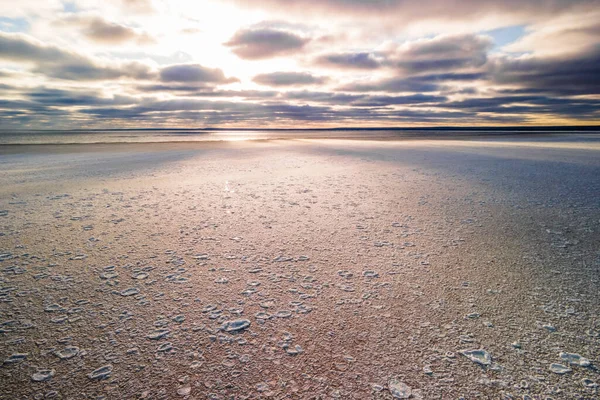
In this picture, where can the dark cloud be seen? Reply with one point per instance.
(289, 79)
(322, 97)
(170, 106)
(349, 60)
(449, 54)
(62, 64)
(153, 112)
(381, 101)
(416, 83)
(393, 85)
(442, 53)
(575, 74)
(54, 107)
(194, 73)
(452, 77)
(219, 112)
(225, 110)
(17, 47)
(18, 108)
(376, 109)
(361, 100)
(86, 70)
(528, 104)
(261, 43)
(60, 97)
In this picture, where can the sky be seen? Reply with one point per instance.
(86, 64)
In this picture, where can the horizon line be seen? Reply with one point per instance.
(349, 128)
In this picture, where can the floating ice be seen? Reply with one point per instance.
(399, 389)
(67, 352)
(53, 308)
(559, 369)
(184, 391)
(370, 274)
(101, 373)
(575, 359)
(293, 351)
(42, 375)
(479, 356)
(130, 292)
(589, 383)
(165, 347)
(15, 358)
(283, 314)
(158, 334)
(236, 325)
(109, 275)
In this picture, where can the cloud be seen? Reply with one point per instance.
(403, 11)
(322, 97)
(178, 57)
(321, 63)
(254, 114)
(289, 79)
(212, 112)
(101, 31)
(86, 70)
(452, 77)
(442, 53)
(571, 75)
(382, 101)
(362, 100)
(9, 88)
(349, 60)
(394, 85)
(58, 63)
(567, 107)
(571, 34)
(138, 6)
(21, 48)
(417, 83)
(189, 73)
(176, 88)
(61, 97)
(201, 90)
(255, 44)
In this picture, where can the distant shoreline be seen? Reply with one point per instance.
(513, 129)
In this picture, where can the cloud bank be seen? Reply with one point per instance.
(284, 63)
